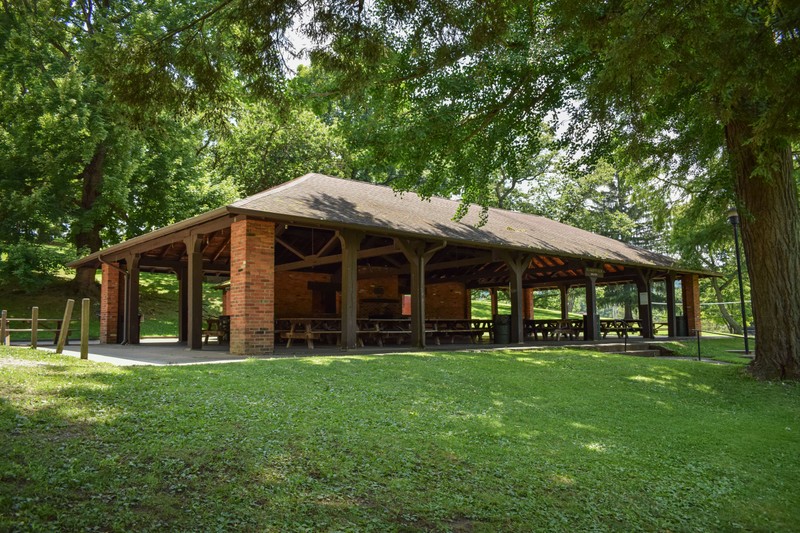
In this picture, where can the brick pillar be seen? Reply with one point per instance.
(690, 284)
(110, 294)
(252, 293)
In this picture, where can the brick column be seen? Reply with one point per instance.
(252, 294)
(110, 294)
(690, 285)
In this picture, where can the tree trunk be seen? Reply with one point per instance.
(733, 326)
(87, 237)
(770, 223)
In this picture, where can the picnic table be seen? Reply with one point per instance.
(554, 329)
(621, 326)
(379, 330)
(309, 329)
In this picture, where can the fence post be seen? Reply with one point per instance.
(85, 328)
(5, 335)
(34, 327)
(62, 337)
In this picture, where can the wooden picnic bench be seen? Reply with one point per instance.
(554, 329)
(473, 329)
(621, 326)
(311, 329)
(219, 327)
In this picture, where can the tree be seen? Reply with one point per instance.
(720, 75)
(267, 148)
(75, 160)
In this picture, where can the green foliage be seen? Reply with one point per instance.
(551, 440)
(76, 161)
(30, 266)
(267, 148)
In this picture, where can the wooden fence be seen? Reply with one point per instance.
(59, 327)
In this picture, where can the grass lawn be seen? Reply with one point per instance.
(719, 347)
(553, 440)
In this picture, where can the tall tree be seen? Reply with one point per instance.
(75, 160)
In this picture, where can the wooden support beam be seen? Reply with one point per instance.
(194, 291)
(332, 259)
(132, 303)
(517, 264)
(291, 248)
(350, 240)
(418, 253)
(328, 245)
(225, 244)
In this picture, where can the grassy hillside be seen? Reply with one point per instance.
(551, 440)
(483, 309)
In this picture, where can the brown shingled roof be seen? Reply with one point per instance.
(335, 201)
(316, 200)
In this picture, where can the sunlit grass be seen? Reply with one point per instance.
(555, 440)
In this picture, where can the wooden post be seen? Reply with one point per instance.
(671, 321)
(34, 327)
(564, 292)
(418, 253)
(592, 325)
(132, 305)
(85, 313)
(517, 265)
(350, 240)
(194, 294)
(4, 333)
(62, 336)
(645, 298)
(183, 303)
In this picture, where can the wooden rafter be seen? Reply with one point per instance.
(291, 248)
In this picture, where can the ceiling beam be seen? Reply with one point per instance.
(312, 261)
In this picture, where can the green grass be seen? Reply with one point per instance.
(482, 309)
(718, 347)
(552, 440)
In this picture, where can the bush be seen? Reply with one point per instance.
(31, 266)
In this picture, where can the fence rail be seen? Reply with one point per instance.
(61, 328)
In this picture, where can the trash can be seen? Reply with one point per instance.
(502, 329)
(681, 326)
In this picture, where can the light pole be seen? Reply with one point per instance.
(733, 218)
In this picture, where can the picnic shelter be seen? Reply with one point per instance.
(322, 258)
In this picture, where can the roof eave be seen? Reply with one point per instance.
(97, 257)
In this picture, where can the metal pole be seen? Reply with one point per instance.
(741, 287)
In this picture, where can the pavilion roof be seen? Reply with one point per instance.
(316, 200)
(361, 205)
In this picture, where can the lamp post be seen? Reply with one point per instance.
(733, 218)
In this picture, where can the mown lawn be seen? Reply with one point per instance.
(553, 440)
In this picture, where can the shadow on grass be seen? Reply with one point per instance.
(503, 441)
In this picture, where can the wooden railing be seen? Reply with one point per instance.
(59, 327)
